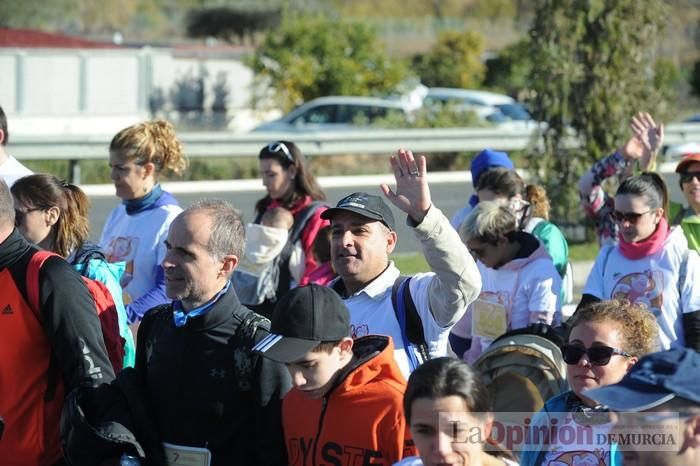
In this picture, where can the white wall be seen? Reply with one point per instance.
(78, 91)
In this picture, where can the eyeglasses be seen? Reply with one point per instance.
(280, 147)
(21, 214)
(597, 355)
(629, 217)
(687, 177)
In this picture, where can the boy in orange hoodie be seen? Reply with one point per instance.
(346, 404)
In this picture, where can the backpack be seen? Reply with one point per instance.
(523, 368)
(409, 321)
(261, 292)
(246, 337)
(104, 307)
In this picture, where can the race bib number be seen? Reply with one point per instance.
(488, 319)
(178, 455)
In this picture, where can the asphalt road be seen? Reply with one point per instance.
(448, 197)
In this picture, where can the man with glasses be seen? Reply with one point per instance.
(10, 168)
(659, 397)
(362, 237)
(688, 218)
(44, 352)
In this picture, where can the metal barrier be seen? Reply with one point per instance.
(366, 141)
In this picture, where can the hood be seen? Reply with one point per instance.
(527, 240)
(264, 243)
(375, 362)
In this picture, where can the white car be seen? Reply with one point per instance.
(337, 113)
(499, 109)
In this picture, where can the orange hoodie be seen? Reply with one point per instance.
(359, 421)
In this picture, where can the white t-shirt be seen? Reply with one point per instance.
(527, 288)
(12, 170)
(138, 240)
(652, 281)
(371, 312)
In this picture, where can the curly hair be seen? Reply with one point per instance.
(537, 197)
(637, 324)
(151, 142)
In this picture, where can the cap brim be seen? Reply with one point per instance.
(284, 349)
(329, 213)
(683, 164)
(622, 398)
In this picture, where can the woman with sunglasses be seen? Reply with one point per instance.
(53, 215)
(290, 184)
(448, 409)
(651, 265)
(641, 148)
(135, 230)
(520, 285)
(605, 340)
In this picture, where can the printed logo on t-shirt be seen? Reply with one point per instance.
(575, 458)
(123, 249)
(641, 288)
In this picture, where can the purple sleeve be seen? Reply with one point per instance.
(152, 298)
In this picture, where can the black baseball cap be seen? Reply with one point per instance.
(654, 380)
(303, 318)
(366, 205)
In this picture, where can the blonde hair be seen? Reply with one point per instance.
(539, 202)
(151, 142)
(489, 221)
(637, 324)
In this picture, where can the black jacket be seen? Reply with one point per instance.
(198, 396)
(67, 312)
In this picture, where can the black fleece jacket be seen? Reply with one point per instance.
(196, 394)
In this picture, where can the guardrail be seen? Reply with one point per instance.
(372, 141)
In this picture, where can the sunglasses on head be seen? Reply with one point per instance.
(280, 147)
(687, 177)
(597, 355)
(629, 217)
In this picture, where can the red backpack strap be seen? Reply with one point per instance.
(35, 263)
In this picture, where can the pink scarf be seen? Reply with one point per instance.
(647, 247)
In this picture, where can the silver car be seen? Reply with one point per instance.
(337, 113)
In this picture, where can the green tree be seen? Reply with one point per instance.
(511, 70)
(454, 61)
(593, 67)
(307, 57)
(695, 79)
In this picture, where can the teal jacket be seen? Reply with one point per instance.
(108, 274)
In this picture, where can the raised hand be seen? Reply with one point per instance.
(412, 192)
(645, 142)
(650, 135)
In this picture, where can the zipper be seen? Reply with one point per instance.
(324, 405)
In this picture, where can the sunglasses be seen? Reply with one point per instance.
(687, 177)
(597, 355)
(629, 217)
(21, 214)
(280, 147)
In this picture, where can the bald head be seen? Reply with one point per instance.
(7, 211)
